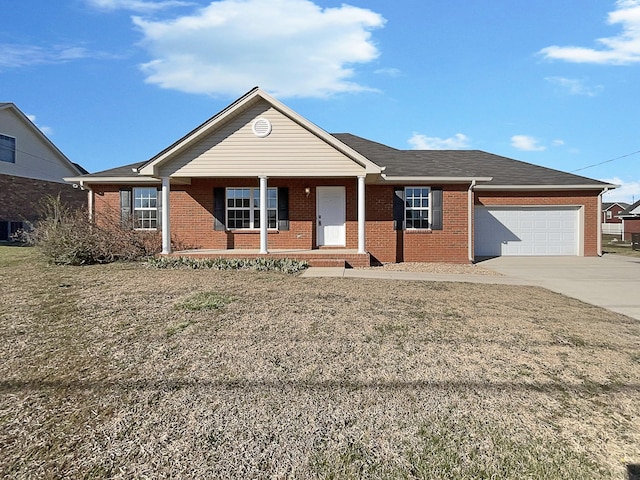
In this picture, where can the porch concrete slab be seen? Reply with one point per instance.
(611, 281)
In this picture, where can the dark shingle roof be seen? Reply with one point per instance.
(123, 171)
(608, 205)
(460, 163)
(629, 209)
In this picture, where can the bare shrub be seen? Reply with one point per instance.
(68, 237)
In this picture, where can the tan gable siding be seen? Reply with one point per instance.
(233, 150)
(34, 157)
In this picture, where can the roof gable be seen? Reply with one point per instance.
(36, 156)
(609, 205)
(225, 145)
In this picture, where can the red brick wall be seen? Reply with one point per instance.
(615, 211)
(192, 213)
(192, 218)
(631, 225)
(587, 198)
(21, 198)
(388, 245)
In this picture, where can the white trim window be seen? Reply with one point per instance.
(417, 203)
(609, 214)
(7, 149)
(243, 208)
(145, 208)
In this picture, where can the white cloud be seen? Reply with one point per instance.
(558, 142)
(18, 55)
(142, 6)
(575, 86)
(291, 48)
(422, 142)
(391, 72)
(46, 130)
(526, 143)
(629, 190)
(619, 50)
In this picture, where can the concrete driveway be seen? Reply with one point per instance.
(611, 281)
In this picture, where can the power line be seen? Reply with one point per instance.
(606, 161)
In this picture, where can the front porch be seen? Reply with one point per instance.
(334, 257)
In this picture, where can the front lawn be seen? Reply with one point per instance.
(125, 371)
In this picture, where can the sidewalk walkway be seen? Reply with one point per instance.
(416, 276)
(610, 282)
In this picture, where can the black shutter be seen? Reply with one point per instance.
(159, 206)
(398, 208)
(126, 207)
(436, 209)
(283, 208)
(219, 209)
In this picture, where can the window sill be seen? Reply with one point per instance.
(418, 231)
(252, 231)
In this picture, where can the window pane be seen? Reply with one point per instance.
(7, 149)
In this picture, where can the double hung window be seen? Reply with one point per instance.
(417, 207)
(145, 208)
(243, 208)
(7, 149)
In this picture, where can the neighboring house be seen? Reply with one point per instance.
(630, 221)
(31, 167)
(611, 222)
(259, 176)
(612, 210)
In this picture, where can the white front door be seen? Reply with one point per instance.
(330, 221)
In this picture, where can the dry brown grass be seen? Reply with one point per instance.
(105, 374)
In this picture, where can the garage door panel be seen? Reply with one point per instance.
(526, 231)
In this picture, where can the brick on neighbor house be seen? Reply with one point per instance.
(21, 198)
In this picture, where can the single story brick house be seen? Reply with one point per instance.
(259, 179)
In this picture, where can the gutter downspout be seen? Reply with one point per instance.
(89, 199)
(470, 222)
(606, 189)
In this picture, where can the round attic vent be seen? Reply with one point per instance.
(261, 127)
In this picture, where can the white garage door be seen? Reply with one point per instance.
(526, 231)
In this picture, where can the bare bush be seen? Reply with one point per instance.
(68, 237)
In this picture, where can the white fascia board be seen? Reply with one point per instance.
(392, 179)
(101, 180)
(545, 187)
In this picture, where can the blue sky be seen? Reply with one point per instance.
(552, 83)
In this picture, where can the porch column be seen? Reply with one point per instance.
(263, 214)
(166, 225)
(361, 215)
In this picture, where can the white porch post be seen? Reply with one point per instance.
(361, 215)
(166, 225)
(263, 214)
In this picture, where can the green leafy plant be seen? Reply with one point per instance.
(284, 265)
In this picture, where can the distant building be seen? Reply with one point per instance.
(31, 168)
